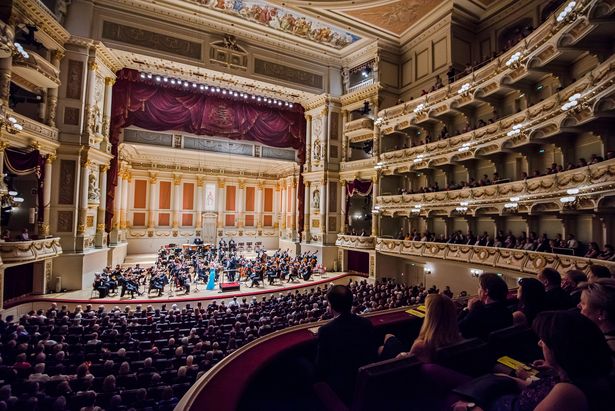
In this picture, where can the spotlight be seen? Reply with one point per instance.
(149, 75)
(201, 87)
(224, 91)
(172, 81)
(157, 78)
(165, 79)
(142, 75)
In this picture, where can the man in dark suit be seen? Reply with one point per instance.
(556, 298)
(488, 311)
(344, 344)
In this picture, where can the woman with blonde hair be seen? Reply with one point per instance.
(439, 329)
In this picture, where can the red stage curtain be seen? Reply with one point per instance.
(159, 106)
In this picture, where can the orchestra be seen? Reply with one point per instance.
(181, 267)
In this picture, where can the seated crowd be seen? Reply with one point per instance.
(573, 321)
(531, 242)
(497, 179)
(146, 358)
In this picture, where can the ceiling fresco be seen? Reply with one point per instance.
(279, 18)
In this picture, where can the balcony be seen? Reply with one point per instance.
(538, 122)
(355, 242)
(592, 184)
(504, 258)
(359, 130)
(36, 70)
(17, 252)
(34, 129)
(358, 165)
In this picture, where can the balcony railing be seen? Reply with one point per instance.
(34, 129)
(365, 164)
(354, 241)
(28, 251)
(36, 70)
(539, 121)
(504, 258)
(360, 129)
(592, 182)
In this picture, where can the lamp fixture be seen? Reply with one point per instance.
(475, 272)
(572, 102)
(9, 122)
(514, 62)
(515, 199)
(420, 109)
(427, 270)
(464, 90)
(572, 191)
(464, 147)
(516, 130)
(214, 89)
(567, 13)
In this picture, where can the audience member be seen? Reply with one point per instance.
(531, 296)
(488, 311)
(555, 296)
(598, 304)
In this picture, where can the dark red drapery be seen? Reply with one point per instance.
(27, 162)
(161, 106)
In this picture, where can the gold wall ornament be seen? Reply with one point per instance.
(221, 183)
(109, 81)
(153, 177)
(177, 179)
(103, 168)
(200, 181)
(92, 65)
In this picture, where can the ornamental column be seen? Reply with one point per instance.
(177, 181)
(99, 240)
(5, 70)
(276, 206)
(293, 206)
(284, 202)
(83, 197)
(200, 182)
(259, 204)
(43, 229)
(308, 142)
(375, 193)
(344, 138)
(343, 207)
(221, 203)
(153, 196)
(106, 120)
(52, 93)
(90, 98)
(124, 211)
(323, 195)
(239, 204)
(306, 207)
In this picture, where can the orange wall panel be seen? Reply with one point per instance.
(164, 219)
(138, 219)
(249, 221)
(250, 194)
(230, 198)
(186, 220)
(268, 200)
(164, 200)
(229, 220)
(268, 221)
(188, 197)
(140, 194)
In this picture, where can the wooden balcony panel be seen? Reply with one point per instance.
(15, 252)
(356, 242)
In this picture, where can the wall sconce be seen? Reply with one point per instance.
(419, 158)
(379, 165)
(420, 109)
(464, 90)
(463, 208)
(464, 147)
(572, 191)
(574, 102)
(8, 122)
(427, 270)
(568, 14)
(569, 202)
(475, 272)
(516, 130)
(379, 121)
(511, 207)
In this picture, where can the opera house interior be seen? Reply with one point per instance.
(307, 205)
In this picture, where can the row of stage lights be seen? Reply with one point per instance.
(216, 90)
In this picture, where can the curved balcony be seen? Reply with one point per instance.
(234, 373)
(594, 184)
(17, 252)
(505, 258)
(540, 121)
(34, 130)
(355, 242)
(36, 70)
(537, 49)
(359, 130)
(357, 165)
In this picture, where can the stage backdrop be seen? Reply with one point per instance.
(161, 106)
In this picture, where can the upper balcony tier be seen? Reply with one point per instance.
(533, 52)
(591, 187)
(36, 70)
(509, 259)
(359, 130)
(576, 105)
(18, 252)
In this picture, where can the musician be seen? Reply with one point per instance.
(100, 286)
(158, 281)
(138, 274)
(198, 241)
(306, 272)
(129, 284)
(271, 274)
(184, 281)
(232, 247)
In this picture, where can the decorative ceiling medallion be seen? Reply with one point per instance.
(279, 18)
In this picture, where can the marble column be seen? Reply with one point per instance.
(99, 240)
(125, 189)
(284, 201)
(306, 210)
(276, 206)
(52, 93)
(106, 120)
(153, 197)
(308, 142)
(177, 197)
(90, 99)
(344, 138)
(375, 193)
(323, 211)
(83, 197)
(258, 207)
(343, 207)
(293, 205)
(6, 65)
(43, 229)
(221, 203)
(200, 201)
(240, 204)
